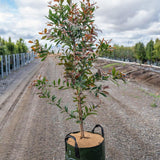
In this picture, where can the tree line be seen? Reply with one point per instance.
(9, 47)
(137, 53)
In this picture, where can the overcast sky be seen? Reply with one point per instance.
(126, 22)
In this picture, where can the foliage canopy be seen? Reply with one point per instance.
(72, 26)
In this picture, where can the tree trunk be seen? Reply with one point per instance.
(80, 117)
(78, 97)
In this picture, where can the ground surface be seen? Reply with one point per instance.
(31, 129)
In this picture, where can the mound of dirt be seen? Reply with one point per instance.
(141, 73)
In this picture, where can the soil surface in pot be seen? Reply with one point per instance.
(90, 140)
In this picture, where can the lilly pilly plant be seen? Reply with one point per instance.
(72, 26)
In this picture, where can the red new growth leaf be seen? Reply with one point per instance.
(30, 41)
(105, 87)
(49, 25)
(45, 30)
(88, 36)
(34, 49)
(92, 31)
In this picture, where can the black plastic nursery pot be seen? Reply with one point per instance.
(92, 153)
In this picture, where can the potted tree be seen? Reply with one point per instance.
(72, 26)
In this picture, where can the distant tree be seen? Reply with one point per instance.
(11, 46)
(2, 41)
(123, 53)
(140, 52)
(3, 49)
(150, 51)
(115, 52)
(157, 50)
(21, 46)
(130, 54)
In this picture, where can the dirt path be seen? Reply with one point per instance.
(31, 129)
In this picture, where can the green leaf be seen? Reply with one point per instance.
(58, 103)
(43, 58)
(66, 109)
(68, 118)
(78, 121)
(53, 98)
(50, 12)
(86, 108)
(94, 88)
(48, 94)
(105, 77)
(103, 94)
(59, 33)
(92, 113)
(54, 83)
(67, 84)
(44, 79)
(72, 114)
(59, 81)
(50, 47)
(69, 2)
(62, 1)
(61, 87)
(39, 82)
(113, 71)
(43, 37)
(42, 96)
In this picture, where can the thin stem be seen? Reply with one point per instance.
(78, 97)
(80, 116)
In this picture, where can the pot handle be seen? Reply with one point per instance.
(76, 145)
(98, 125)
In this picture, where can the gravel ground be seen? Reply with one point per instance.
(31, 129)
